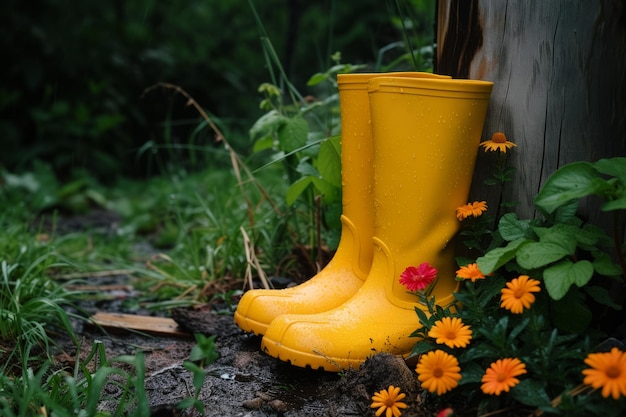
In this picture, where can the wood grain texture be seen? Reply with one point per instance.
(559, 73)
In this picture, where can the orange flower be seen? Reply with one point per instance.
(388, 400)
(438, 371)
(451, 331)
(608, 371)
(518, 294)
(474, 209)
(498, 142)
(501, 375)
(470, 271)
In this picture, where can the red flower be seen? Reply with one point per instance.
(418, 279)
(446, 412)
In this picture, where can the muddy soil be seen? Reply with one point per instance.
(243, 381)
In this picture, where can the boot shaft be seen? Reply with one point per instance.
(426, 135)
(357, 153)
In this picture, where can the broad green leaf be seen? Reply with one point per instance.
(293, 134)
(329, 160)
(511, 228)
(566, 212)
(560, 277)
(571, 182)
(328, 191)
(604, 265)
(296, 189)
(569, 234)
(530, 392)
(495, 258)
(615, 167)
(263, 143)
(305, 168)
(422, 347)
(267, 124)
(538, 254)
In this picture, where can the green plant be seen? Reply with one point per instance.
(563, 292)
(203, 354)
(30, 302)
(568, 255)
(45, 391)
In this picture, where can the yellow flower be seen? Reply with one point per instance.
(498, 142)
(451, 331)
(438, 371)
(388, 400)
(474, 209)
(470, 271)
(501, 375)
(608, 371)
(518, 294)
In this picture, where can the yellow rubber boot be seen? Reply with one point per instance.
(426, 134)
(350, 265)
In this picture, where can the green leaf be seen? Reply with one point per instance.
(560, 277)
(566, 212)
(267, 124)
(571, 182)
(615, 167)
(317, 78)
(306, 169)
(296, 189)
(472, 372)
(328, 191)
(422, 347)
(618, 204)
(602, 296)
(530, 392)
(263, 143)
(604, 265)
(538, 254)
(495, 258)
(329, 160)
(511, 228)
(293, 134)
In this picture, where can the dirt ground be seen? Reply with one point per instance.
(243, 381)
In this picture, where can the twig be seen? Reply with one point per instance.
(579, 389)
(253, 261)
(94, 274)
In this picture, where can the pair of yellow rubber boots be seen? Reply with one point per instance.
(409, 145)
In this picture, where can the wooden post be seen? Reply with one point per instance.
(559, 73)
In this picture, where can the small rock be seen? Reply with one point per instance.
(279, 406)
(255, 403)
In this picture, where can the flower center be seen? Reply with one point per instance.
(389, 402)
(498, 137)
(451, 335)
(613, 372)
(438, 373)
(501, 376)
(519, 293)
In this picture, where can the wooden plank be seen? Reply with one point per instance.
(147, 324)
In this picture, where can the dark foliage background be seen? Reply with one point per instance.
(74, 72)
